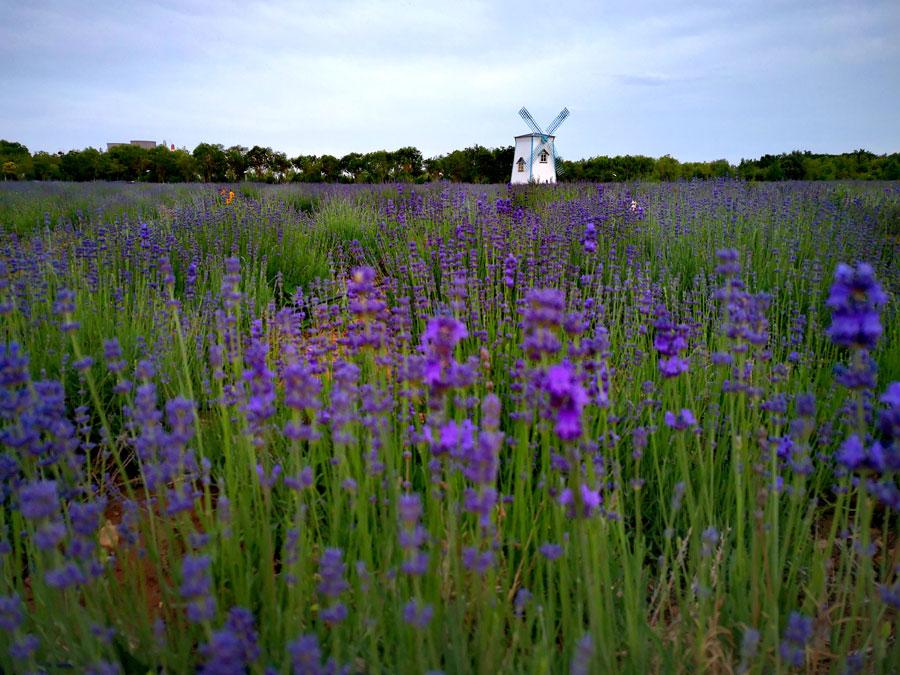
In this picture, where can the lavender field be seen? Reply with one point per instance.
(391, 429)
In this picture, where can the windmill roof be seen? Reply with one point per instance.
(535, 135)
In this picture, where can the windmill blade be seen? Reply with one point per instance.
(557, 166)
(545, 145)
(529, 120)
(559, 119)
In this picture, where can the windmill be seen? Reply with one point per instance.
(535, 158)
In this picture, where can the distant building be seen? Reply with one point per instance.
(147, 145)
(534, 158)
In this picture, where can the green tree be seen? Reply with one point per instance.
(211, 162)
(80, 165)
(259, 160)
(15, 160)
(667, 168)
(331, 168)
(278, 166)
(44, 166)
(408, 164)
(353, 167)
(236, 157)
(126, 162)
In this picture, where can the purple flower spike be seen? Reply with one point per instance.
(854, 299)
(417, 615)
(683, 420)
(38, 499)
(797, 634)
(670, 340)
(852, 454)
(331, 569)
(551, 551)
(442, 334)
(567, 397)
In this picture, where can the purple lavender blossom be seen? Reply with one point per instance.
(679, 422)
(23, 648)
(551, 551)
(302, 481)
(670, 340)
(477, 561)
(331, 571)
(67, 576)
(49, 535)
(582, 657)
(590, 500)
(589, 243)
(417, 615)
(729, 262)
(261, 402)
(301, 387)
(335, 613)
(710, 539)
(38, 499)
(797, 634)
(196, 587)
(233, 648)
(11, 612)
(306, 656)
(442, 334)
(542, 318)
(852, 454)
(567, 398)
(510, 266)
(854, 300)
(409, 507)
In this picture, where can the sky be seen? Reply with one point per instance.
(698, 81)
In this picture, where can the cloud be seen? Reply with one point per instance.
(342, 76)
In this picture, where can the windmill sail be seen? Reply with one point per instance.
(529, 120)
(559, 119)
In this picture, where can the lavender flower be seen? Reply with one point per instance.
(413, 536)
(670, 340)
(261, 402)
(567, 398)
(416, 614)
(590, 500)
(66, 576)
(38, 499)
(589, 243)
(551, 551)
(196, 587)
(306, 657)
(542, 318)
(797, 633)
(11, 612)
(710, 539)
(582, 657)
(233, 648)
(854, 300)
(510, 266)
(23, 648)
(683, 420)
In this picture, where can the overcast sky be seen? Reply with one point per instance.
(699, 81)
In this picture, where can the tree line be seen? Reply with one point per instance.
(215, 163)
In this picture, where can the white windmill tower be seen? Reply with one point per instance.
(534, 160)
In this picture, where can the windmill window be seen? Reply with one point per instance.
(521, 165)
(543, 156)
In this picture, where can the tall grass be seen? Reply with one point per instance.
(708, 546)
